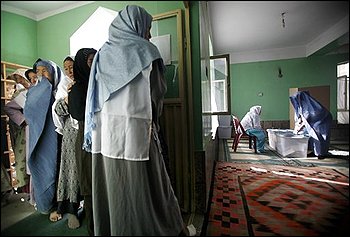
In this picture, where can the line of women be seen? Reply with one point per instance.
(97, 136)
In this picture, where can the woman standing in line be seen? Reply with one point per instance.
(68, 197)
(18, 126)
(132, 193)
(76, 107)
(43, 143)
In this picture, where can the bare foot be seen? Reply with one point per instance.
(73, 221)
(54, 216)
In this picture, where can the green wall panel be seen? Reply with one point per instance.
(23, 40)
(54, 32)
(168, 26)
(18, 39)
(250, 79)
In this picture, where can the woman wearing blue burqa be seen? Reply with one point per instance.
(43, 142)
(316, 119)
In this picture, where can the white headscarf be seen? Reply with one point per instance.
(252, 118)
(20, 72)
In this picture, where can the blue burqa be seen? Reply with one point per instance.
(42, 158)
(317, 120)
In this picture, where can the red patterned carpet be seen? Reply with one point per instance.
(265, 200)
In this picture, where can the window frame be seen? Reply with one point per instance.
(227, 92)
(345, 90)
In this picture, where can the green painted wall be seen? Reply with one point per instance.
(24, 40)
(249, 79)
(54, 32)
(49, 38)
(18, 39)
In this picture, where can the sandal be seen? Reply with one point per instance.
(54, 216)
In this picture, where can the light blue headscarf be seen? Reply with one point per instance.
(119, 61)
(54, 70)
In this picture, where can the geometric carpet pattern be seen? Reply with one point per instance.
(271, 200)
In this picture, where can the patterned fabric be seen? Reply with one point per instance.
(68, 181)
(61, 94)
(18, 133)
(5, 180)
(18, 139)
(264, 200)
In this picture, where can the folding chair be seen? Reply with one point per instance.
(240, 133)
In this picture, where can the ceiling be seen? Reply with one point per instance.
(39, 10)
(253, 30)
(248, 30)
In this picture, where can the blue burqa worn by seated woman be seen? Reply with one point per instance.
(317, 120)
(42, 158)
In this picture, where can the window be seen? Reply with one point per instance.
(343, 93)
(93, 33)
(217, 88)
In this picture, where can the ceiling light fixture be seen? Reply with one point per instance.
(283, 20)
(280, 75)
